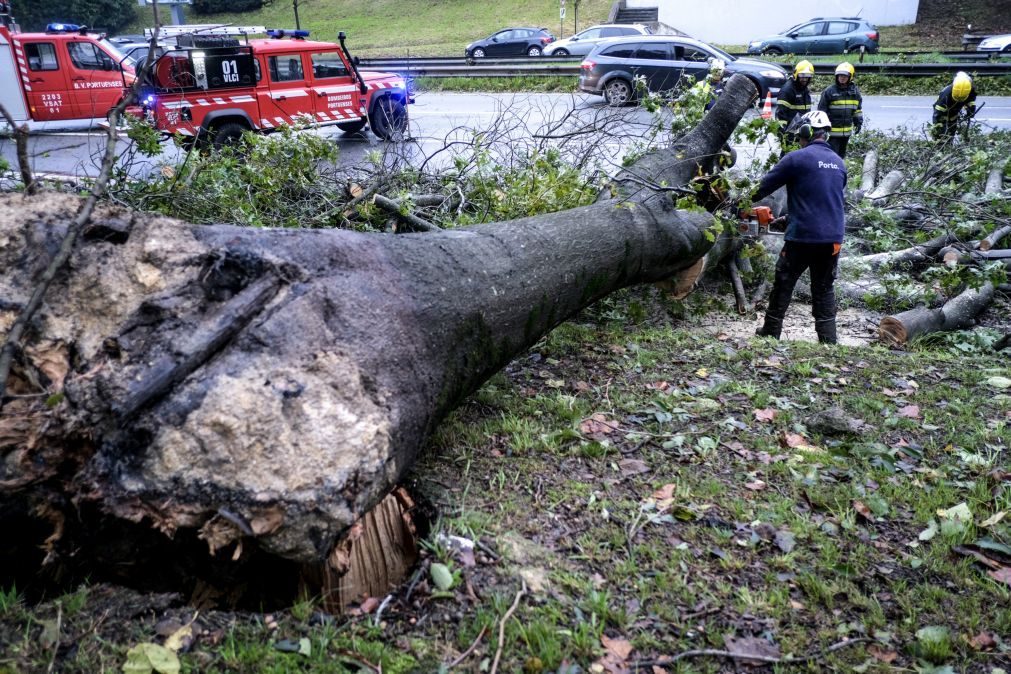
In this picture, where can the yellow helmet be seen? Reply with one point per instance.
(803, 68)
(845, 68)
(961, 87)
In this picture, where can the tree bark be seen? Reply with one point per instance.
(994, 237)
(887, 186)
(288, 378)
(870, 172)
(956, 314)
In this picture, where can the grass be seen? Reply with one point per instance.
(404, 27)
(757, 538)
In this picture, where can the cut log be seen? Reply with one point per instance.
(994, 237)
(995, 180)
(889, 184)
(869, 174)
(288, 378)
(918, 254)
(956, 314)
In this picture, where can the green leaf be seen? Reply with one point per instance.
(304, 647)
(146, 658)
(442, 576)
(990, 544)
(999, 382)
(929, 532)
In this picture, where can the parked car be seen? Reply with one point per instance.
(583, 42)
(995, 43)
(136, 52)
(663, 60)
(511, 42)
(833, 35)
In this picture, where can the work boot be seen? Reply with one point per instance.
(826, 331)
(771, 328)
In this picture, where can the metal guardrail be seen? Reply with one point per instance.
(547, 67)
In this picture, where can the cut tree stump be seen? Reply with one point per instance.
(957, 313)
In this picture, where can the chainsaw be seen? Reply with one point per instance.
(759, 220)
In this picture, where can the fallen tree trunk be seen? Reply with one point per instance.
(275, 384)
(994, 237)
(956, 314)
(919, 254)
(869, 173)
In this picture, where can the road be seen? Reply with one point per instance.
(436, 118)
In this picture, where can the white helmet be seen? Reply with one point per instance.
(717, 67)
(817, 120)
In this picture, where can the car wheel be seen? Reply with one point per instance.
(352, 127)
(478, 53)
(560, 52)
(773, 51)
(388, 118)
(227, 135)
(534, 51)
(617, 93)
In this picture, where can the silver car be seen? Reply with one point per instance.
(583, 42)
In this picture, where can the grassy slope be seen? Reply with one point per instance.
(398, 27)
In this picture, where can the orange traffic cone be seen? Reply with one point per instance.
(767, 108)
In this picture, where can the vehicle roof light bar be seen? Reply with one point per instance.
(65, 28)
(205, 29)
(278, 33)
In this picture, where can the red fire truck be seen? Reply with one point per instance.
(212, 87)
(61, 74)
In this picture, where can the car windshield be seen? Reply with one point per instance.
(793, 28)
(113, 50)
(722, 54)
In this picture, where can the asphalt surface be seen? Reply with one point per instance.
(443, 125)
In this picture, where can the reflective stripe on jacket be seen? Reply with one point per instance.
(844, 108)
(792, 101)
(946, 108)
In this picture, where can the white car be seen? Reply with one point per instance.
(995, 43)
(583, 42)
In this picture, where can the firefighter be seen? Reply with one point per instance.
(815, 178)
(957, 96)
(795, 96)
(843, 104)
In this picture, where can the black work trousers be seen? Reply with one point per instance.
(838, 144)
(822, 260)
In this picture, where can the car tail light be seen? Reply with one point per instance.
(545, 39)
(872, 36)
(587, 65)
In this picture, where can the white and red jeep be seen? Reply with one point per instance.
(211, 88)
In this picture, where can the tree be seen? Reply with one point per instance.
(273, 385)
(110, 15)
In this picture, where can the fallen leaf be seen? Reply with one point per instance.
(878, 653)
(620, 648)
(929, 532)
(785, 540)
(370, 604)
(796, 605)
(983, 641)
(910, 411)
(597, 425)
(863, 510)
(767, 414)
(998, 382)
(754, 646)
(441, 576)
(993, 519)
(146, 658)
(632, 467)
(181, 639)
(664, 493)
(702, 372)
(581, 386)
(755, 485)
(797, 441)
(1001, 575)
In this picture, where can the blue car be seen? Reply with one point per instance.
(832, 35)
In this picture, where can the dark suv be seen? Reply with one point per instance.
(834, 35)
(511, 42)
(662, 61)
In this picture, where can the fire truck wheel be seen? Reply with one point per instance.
(352, 127)
(226, 135)
(388, 118)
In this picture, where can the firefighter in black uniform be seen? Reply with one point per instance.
(795, 96)
(844, 105)
(815, 180)
(957, 96)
